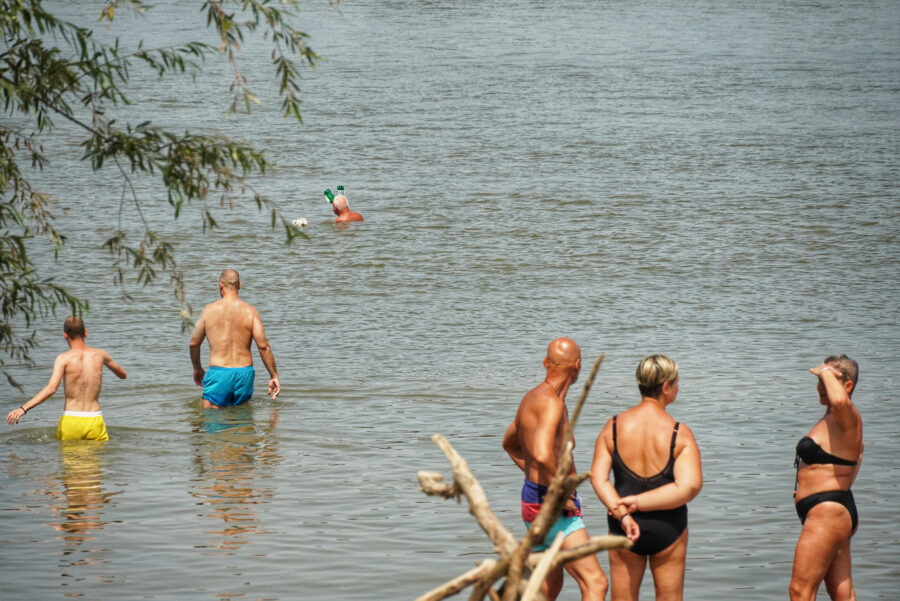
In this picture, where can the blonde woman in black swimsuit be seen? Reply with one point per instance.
(827, 462)
(656, 464)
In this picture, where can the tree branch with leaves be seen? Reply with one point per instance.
(51, 70)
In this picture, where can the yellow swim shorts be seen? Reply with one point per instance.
(82, 425)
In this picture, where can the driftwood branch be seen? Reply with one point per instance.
(542, 569)
(460, 582)
(570, 429)
(523, 571)
(478, 503)
(596, 543)
(432, 484)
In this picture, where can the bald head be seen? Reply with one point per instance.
(563, 352)
(230, 279)
(340, 204)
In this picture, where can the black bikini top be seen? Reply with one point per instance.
(809, 452)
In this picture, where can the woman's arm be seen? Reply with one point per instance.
(600, 468)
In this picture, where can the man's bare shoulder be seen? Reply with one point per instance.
(213, 306)
(97, 351)
(66, 357)
(85, 352)
(540, 399)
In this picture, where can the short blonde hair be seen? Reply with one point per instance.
(653, 372)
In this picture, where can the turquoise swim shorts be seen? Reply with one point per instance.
(227, 386)
(566, 525)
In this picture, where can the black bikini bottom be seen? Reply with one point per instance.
(844, 497)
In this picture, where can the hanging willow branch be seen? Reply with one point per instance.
(517, 565)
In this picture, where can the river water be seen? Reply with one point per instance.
(716, 181)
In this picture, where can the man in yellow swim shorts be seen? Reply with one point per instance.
(81, 368)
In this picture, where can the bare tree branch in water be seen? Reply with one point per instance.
(521, 570)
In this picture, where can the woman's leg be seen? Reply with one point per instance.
(826, 529)
(626, 570)
(667, 568)
(838, 580)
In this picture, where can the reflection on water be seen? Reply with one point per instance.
(232, 460)
(81, 515)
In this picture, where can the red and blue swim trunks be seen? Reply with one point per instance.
(567, 523)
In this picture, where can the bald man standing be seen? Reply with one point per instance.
(341, 208)
(230, 325)
(534, 440)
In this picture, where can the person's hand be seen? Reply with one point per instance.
(631, 528)
(570, 506)
(629, 503)
(821, 369)
(13, 417)
(198, 376)
(274, 388)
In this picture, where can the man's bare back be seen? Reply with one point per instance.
(540, 425)
(80, 369)
(83, 369)
(230, 325)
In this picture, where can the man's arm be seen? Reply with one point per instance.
(194, 346)
(513, 446)
(268, 358)
(114, 367)
(59, 370)
(548, 415)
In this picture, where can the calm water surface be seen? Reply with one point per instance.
(713, 180)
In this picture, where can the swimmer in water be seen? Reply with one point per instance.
(341, 208)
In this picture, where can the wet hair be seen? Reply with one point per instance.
(230, 278)
(74, 327)
(653, 372)
(848, 368)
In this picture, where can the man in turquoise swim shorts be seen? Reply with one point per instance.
(534, 440)
(230, 325)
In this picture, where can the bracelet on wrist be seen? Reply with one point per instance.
(24, 410)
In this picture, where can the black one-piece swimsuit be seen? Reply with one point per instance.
(659, 529)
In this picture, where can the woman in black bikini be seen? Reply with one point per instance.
(657, 470)
(827, 462)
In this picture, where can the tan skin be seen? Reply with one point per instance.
(644, 436)
(80, 369)
(534, 440)
(823, 550)
(341, 208)
(230, 325)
